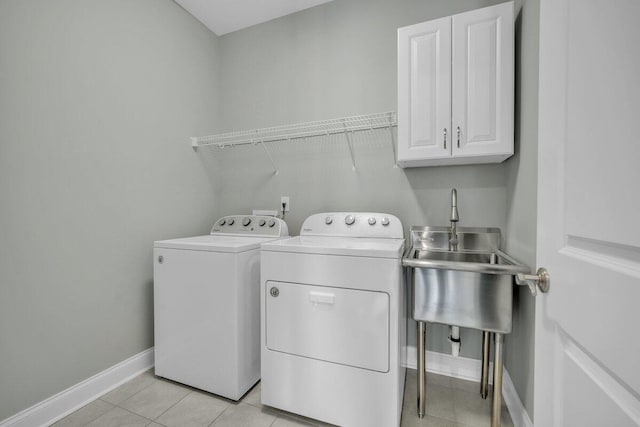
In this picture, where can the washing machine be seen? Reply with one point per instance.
(333, 316)
(207, 305)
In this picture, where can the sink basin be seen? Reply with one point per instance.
(470, 287)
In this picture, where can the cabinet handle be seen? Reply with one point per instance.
(445, 138)
(458, 136)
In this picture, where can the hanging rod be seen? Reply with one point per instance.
(343, 125)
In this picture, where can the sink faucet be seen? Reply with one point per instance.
(453, 240)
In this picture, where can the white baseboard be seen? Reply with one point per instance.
(67, 401)
(446, 364)
(514, 404)
(470, 369)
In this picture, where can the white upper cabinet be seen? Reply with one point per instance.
(455, 89)
(424, 55)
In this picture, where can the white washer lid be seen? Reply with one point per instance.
(221, 243)
(331, 245)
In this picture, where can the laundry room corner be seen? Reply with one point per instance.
(521, 174)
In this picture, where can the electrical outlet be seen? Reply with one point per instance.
(284, 200)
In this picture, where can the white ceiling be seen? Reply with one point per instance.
(225, 16)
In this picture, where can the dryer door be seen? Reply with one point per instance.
(345, 326)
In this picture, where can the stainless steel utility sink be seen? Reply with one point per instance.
(469, 287)
(461, 278)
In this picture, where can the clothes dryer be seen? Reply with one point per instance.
(333, 320)
(207, 305)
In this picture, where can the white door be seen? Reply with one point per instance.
(424, 91)
(482, 99)
(587, 361)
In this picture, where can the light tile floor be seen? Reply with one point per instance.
(151, 401)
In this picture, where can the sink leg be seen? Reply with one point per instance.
(421, 367)
(484, 379)
(496, 405)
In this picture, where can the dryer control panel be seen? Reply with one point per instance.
(250, 225)
(353, 224)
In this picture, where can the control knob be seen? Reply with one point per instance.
(222, 221)
(246, 221)
(272, 222)
(372, 221)
(349, 219)
(262, 222)
(231, 221)
(385, 221)
(328, 220)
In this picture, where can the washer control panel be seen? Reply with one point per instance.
(250, 225)
(353, 224)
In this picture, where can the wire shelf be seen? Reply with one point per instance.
(344, 125)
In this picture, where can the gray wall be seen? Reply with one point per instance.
(521, 178)
(339, 59)
(96, 99)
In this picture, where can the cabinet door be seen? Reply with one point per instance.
(424, 92)
(482, 101)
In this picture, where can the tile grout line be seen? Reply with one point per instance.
(142, 389)
(92, 419)
(259, 405)
(113, 405)
(167, 410)
(220, 414)
(458, 423)
(133, 413)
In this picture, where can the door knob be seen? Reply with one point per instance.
(541, 280)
